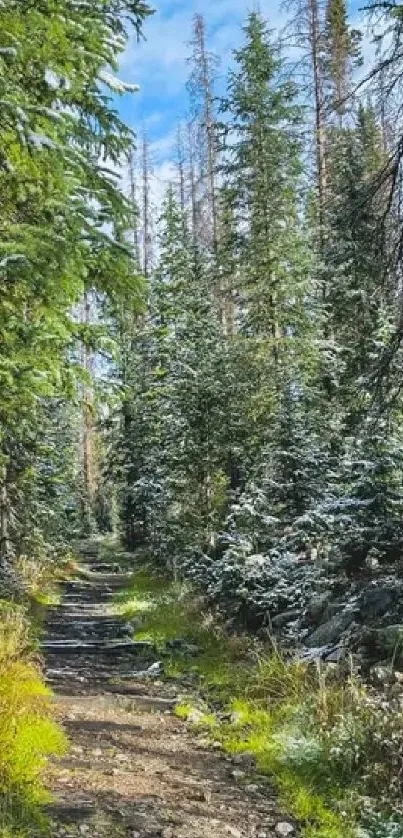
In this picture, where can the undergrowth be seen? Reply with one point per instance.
(28, 734)
(331, 746)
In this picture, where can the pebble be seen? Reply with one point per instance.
(284, 829)
(247, 759)
(238, 775)
(195, 717)
(252, 788)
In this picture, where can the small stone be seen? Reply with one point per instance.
(238, 775)
(381, 675)
(195, 717)
(167, 833)
(232, 830)
(217, 746)
(252, 788)
(246, 758)
(285, 829)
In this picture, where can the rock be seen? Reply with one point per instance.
(252, 788)
(183, 647)
(335, 655)
(195, 717)
(238, 774)
(247, 759)
(332, 609)
(384, 643)
(236, 833)
(375, 601)
(381, 675)
(314, 654)
(330, 632)
(287, 617)
(317, 608)
(112, 647)
(154, 671)
(285, 829)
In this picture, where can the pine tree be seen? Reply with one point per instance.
(264, 168)
(360, 296)
(342, 50)
(59, 204)
(201, 87)
(308, 34)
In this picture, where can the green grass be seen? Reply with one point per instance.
(328, 745)
(164, 612)
(28, 733)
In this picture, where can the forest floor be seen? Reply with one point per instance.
(134, 769)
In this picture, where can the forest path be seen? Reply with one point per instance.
(133, 770)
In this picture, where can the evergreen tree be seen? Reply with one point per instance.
(360, 296)
(264, 167)
(59, 201)
(342, 50)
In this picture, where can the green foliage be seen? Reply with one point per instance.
(63, 218)
(213, 658)
(331, 746)
(28, 734)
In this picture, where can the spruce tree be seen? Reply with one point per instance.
(341, 51)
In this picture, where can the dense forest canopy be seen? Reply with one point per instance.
(216, 383)
(221, 383)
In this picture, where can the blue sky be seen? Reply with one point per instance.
(159, 65)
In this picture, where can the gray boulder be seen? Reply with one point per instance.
(330, 632)
(317, 608)
(384, 644)
(286, 617)
(375, 602)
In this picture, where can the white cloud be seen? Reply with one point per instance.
(160, 66)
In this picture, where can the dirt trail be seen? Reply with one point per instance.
(134, 770)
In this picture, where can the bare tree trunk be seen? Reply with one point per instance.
(315, 36)
(147, 232)
(88, 452)
(134, 205)
(5, 545)
(209, 122)
(193, 187)
(181, 170)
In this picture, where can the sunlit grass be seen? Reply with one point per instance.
(28, 733)
(313, 732)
